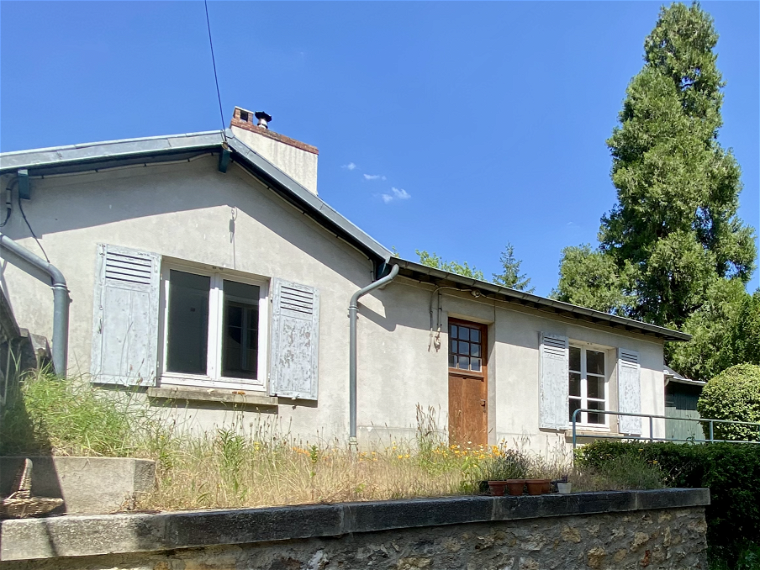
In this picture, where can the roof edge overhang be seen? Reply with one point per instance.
(437, 277)
(673, 376)
(114, 154)
(685, 381)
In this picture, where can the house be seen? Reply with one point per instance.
(204, 270)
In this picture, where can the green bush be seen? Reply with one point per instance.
(734, 394)
(730, 470)
(618, 473)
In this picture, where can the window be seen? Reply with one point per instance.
(465, 347)
(213, 324)
(588, 385)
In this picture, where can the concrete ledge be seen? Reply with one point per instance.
(237, 397)
(87, 485)
(127, 533)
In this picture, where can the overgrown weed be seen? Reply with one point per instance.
(71, 417)
(262, 463)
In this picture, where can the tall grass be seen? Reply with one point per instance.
(255, 465)
(71, 417)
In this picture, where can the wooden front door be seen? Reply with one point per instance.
(468, 410)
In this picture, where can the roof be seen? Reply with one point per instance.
(673, 376)
(110, 154)
(427, 274)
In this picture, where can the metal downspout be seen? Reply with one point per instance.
(353, 309)
(60, 301)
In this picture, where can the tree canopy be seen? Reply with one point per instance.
(510, 276)
(434, 261)
(589, 278)
(672, 251)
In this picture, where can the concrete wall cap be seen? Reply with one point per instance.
(124, 533)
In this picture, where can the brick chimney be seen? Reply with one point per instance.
(296, 159)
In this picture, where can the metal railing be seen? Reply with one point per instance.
(651, 438)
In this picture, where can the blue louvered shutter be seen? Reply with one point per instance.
(294, 341)
(125, 316)
(629, 391)
(554, 382)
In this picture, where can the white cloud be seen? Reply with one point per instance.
(396, 195)
(349, 166)
(374, 177)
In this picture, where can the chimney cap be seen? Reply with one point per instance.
(262, 115)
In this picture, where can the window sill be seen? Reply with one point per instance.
(586, 431)
(172, 379)
(212, 395)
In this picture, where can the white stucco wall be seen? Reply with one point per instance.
(185, 211)
(403, 369)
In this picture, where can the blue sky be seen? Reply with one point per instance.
(488, 119)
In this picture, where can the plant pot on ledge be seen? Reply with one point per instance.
(497, 488)
(538, 486)
(515, 487)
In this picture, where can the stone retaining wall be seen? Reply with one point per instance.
(615, 530)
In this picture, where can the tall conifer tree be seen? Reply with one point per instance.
(674, 231)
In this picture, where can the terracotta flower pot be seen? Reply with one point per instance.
(537, 486)
(515, 487)
(497, 488)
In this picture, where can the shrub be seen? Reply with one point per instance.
(619, 473)
(734, 394)
(731, 471)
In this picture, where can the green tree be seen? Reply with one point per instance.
(675, 223)
(746, 333)
(434, 261)
(590, 278)
(713, 327)
(511, 276)
(674, 231)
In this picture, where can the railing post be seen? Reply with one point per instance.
(711, 431)
(575, 417)
(651, 429)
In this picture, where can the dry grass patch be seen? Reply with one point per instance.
(262, 465)
(231, 470)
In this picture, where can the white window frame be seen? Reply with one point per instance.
(583, 416)
(213, 377)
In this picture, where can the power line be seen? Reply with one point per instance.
(213, 61)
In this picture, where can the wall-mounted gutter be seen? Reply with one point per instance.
(353, 309)
(60, 298)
